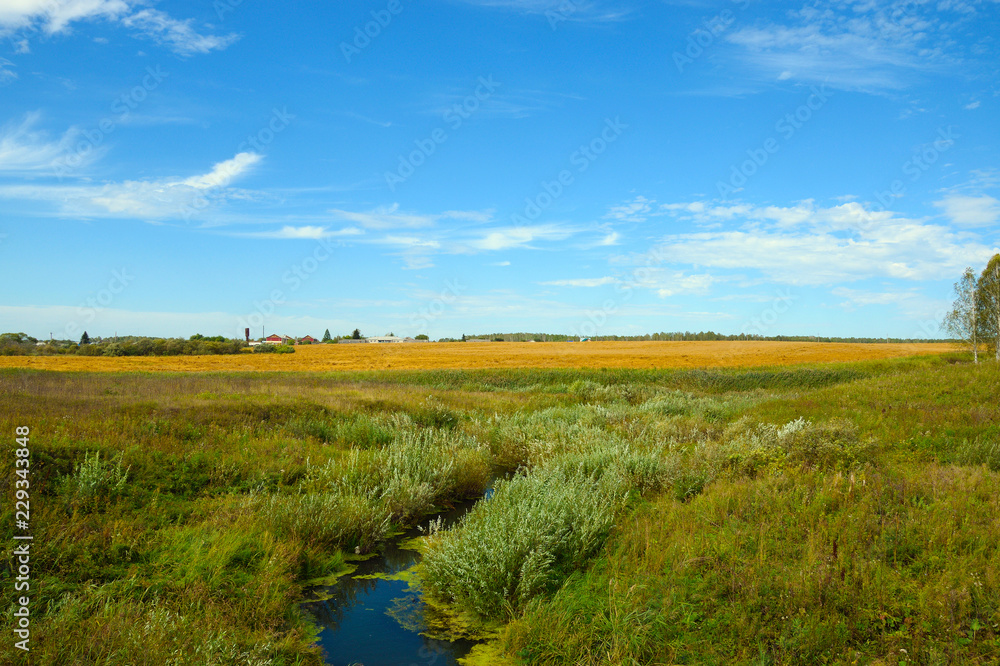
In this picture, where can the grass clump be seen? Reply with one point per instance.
(803, 568)
(534, 531)
(749, 448)
(95, 482)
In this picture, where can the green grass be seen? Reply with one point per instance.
(821, 514)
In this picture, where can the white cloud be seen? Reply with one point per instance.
(56, 16)
(971, 106)
(909, 303)
(680, 283)
(610, 239)
(558, 11)
(810, 245)
(167, 198)
(6, 74)
(517, 237)
(304, 233)
(387, 217)
(968, 211)
(23, 149)
(582, 282)
(865, 46)
(176, 35)
(636, 210)
(223, 173)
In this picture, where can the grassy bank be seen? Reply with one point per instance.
(773, 515)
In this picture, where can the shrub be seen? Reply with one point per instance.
(265, 348)
(748, 448)
(534, 531)
(93, 481)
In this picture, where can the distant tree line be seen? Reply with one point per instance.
(686, 336)
(20, 344)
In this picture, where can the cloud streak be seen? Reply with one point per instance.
(57, 16)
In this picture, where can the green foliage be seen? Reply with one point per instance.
(792, 569)
(650, 516)
(327, 337)
(535, 530)
(216, 338)
(266, 348)
(95, 482)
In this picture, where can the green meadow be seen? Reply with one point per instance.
(827, 514)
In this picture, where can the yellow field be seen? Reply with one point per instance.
(458, 355)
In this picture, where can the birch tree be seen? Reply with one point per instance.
(988, 302)
(963, 320)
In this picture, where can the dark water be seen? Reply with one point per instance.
(356, 625)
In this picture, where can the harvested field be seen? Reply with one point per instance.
(430, 356)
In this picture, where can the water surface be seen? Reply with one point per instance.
(357, 627)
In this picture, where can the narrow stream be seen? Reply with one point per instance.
(354, 614)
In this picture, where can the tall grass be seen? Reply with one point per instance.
(790, 569)
(651, 516)
(534, 530)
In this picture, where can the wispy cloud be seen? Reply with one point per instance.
(303, 233)
(970, 211)
(509, 238)
(578, 10)
(863, 46)
(6, 73)
(25, 149)
(366, 119)
(811, 245)
(387, 217)
(162, 199)
(516, 103)
(909, 302)
(178, 36)
(56, 16)
(582, 282)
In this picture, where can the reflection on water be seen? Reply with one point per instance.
(358, 620)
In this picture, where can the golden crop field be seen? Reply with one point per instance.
(458, 355)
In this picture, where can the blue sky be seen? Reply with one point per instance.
(450, 166)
